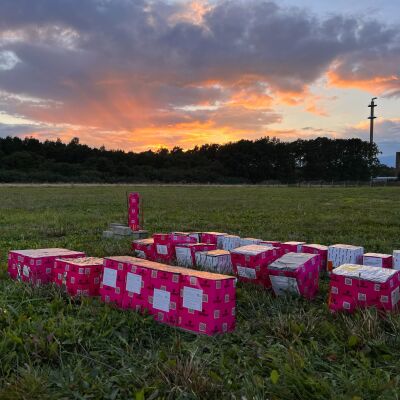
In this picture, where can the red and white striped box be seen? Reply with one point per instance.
(207, 303)
(186, 253)
(292, 247)
(295, 273)
(80, 276)
(270, 243)
(250, 263)
(378, 260)
(360, 286)
(112, 287)
(37, 265)
(249, 241)
(134, 211)
(318, 249)
(339, 254)
(144, 248)
(164, 245)
(396, 259)
(218, 261)
(230, 242)
(213, 238)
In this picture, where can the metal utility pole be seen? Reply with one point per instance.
(371, 119)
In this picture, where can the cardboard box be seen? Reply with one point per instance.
(134, 206)
(359, 286)
(207, 303)
(230, 242)
(339, 254)
(80, 276)
(270, 243)
(248, 241)
(213, 238)
(164, 245)
(295, 273)
(292, 247)
(37, 266)
(396, 259)
(318, 249)
(144, 248)
(378, 260)
(218, 261)
(250, 263)
(186, 253)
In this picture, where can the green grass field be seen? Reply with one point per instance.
(52, 347)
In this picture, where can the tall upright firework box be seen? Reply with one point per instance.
(339, 254)
(250, 263)
(230, 242)
(134, 211)
(144, 248)
(218, 261)
(295, 273)
(292, 247)
(207, 302)
(80, 276)
(318, 249)
(396, 259)
(165, 243)
(186, 253)
(37, 266)
(359, 286)
(213, 238)
(378, 260)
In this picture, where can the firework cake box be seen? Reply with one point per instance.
(248, 241)
(144, 248)
(318, 249)
(339, 254)
(213, 238)
(164, 245)
(134, 211)
(396, 259)
(270, 243)
(378, 260)
(296, 273)
(207, 302)
(250, 263)
(292, 247)
(230, 242)
(37, 265)
(218, 261)
(186, 253)
(358, 286)
(80, 276)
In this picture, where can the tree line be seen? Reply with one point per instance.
(246, 161)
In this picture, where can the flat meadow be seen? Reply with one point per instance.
(55, 347)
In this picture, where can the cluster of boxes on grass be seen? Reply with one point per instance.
(193, 300)
(359, 286)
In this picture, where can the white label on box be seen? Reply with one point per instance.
(25, 271)
(140, 254)
(133, 283)
(110, 277)
(373, 261)
(395, 296)
(161, 300)
(192, 298)
(162, 249)
(284, 284)
(249, 273)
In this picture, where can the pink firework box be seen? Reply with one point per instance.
(248, 241)
(296, 273)
(213, 238)
(250, 263)
(164, 245)
(186, 253)
(230, 242)
(270, 243)
(339, 254)
(37, 265)
(134, 211)
(396, 259)
(144, 248)
(378, 260)
(207, 302)
(318, 249)
(358, 286)
(113, 284)
(292, 247)
(218, 261)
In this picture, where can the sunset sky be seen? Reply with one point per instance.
(140, 74)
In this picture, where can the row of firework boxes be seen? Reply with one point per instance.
(196, 301)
